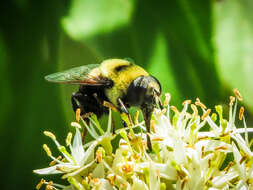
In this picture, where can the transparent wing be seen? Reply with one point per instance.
(77, 75)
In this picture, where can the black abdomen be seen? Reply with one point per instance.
(91, 99)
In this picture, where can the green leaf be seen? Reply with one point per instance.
(234, 40)
(88, 18)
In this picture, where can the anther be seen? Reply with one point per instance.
(167, 99)
(206, 114)
(173, 108)
(68, 139)
(243, 159)
(202, 152)
(42, 181)
(136, 117)
(241, 113)
(186, 102)
(228, 167)
(220, 148)
(50, 134)
(200, 104)
(238, 94)
(75, 124)
(52, 163)
(195, 109)
(232, 100)
(47, 150)
(78, 113)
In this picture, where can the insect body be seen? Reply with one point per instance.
(118, 81)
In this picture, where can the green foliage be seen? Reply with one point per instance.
(234, 42)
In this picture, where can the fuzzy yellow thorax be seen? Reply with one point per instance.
(122, 79)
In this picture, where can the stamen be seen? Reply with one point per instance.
(200, 104)
(167, 99)
(214, 117)
(232, 100)
(241, 112)
(127, 168)
(226, 134)
(68, 139)
(206, 114)
(228, 167)
(157, 139)
(243, 159)
(52, 163)
(181, 173)
(173, 108)
(96, 181)
(220, 148)
(75, 124)
(109, 105)
(39, 185)
(202, 152)
(50, 134)
(158, 173)
(136, 156)
(152, 124)
(111, 178)
(238, 94)
(195, 109)
(186, 102)
(99, 157)
(78, 113)
(50, 185)
(100, 153)
(47, 150)
(201, 138)
(183, 183)
(90, 176)
(136, 117)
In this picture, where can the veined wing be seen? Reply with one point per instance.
(77, 75)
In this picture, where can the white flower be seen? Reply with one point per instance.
(190, 151)
(75, 162)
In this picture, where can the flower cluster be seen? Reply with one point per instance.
(189, 151)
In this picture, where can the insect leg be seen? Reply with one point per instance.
(74, 101)
(99, 101)
(123, 109)
(147, 113)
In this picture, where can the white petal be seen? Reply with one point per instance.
(241, 185)
(99, 172)
(237, 157)
(221, 181)
(242, 144)
(105, 185)
(154, 180)
(47, 171)
(77, 148)
(167, 171)
(138, 184)
(88, 153)
(179, 151)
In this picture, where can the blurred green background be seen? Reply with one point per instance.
(195, 48)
